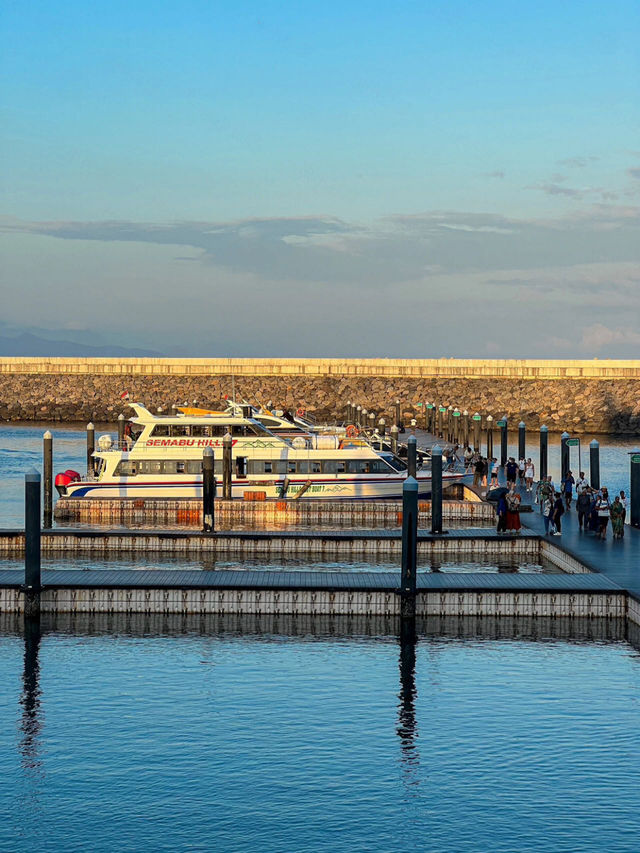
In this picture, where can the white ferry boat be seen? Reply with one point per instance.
(162, 458)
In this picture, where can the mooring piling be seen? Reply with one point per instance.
(91, 446)
(477, 427)
(227, 443)
(564, 454)
(47, 468)
(594, 464)
(397, 413)
(503, 423)
(32, 531)
(489, 436)
(382, 426)
(634, 492)
(208, 490)
(544, 451)
(522, 440)
(409, 546)
(436, 489)
(121, 430)
(394, 438)
(412, 456)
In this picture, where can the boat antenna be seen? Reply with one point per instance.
(233, 386)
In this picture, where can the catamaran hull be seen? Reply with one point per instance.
(356, 489)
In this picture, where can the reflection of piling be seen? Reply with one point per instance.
(564, 454)
(634, 492)
(412, 456)
(594, 464)
(32, 579)
(91, 446)
(226, 466)
(208, 490)
(522, 440)
(489, 437)
(544, 451)
(436, 489)
(47, 468)
(30, 699)
(407, 723)
(394, 438)
(409, 546)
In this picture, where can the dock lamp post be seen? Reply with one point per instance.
(477, 425)
(489, 437)
(635, 488)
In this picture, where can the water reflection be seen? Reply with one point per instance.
(407, 728)
(31, 722)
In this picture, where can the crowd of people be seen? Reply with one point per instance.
(594, 506)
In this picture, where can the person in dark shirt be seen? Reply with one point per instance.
(558, 512)
(501, 510)
(583, 505)
(511, 471)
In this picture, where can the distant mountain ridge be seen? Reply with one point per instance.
(28, 346)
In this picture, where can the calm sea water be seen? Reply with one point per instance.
(21, 448)
(263, 742)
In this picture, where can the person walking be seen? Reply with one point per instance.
(547, 511)
(581, 483)
(603, 508)
(583, 505)
(529, 474)
(616, 513)
(558, 512)
(495, 468)
(521, 466)
(478, 470)
(511, 471)
(501, 510)
(567, 487)
(624, 500)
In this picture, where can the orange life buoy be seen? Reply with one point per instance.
(300, 413)
(352, 431)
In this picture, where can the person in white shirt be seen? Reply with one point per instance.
(581, 483)
(624, 500)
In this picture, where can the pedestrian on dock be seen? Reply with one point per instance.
(501, 510)
(567, 488)
(616, 513)
(558, 512)
(522, 464)
(495, 468)
(511, 471)
(581, 483)
(513, 510)
(624, 500)
(547, 512)
(603, 508)
(583, 506)
(478, 470)
(468, 459)
(529, 474)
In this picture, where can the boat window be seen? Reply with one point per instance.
(150, 466)
(394, 462)
(160, 429)
(316, 467)
(194, 466)
(201, 431)
(291, 467)
(303, 467)
(180, 430)
(268, 468)
(126, 469)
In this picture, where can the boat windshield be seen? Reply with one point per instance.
(396, 464)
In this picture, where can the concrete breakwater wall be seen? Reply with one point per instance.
(583, 397)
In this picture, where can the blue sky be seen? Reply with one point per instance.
(329, 162)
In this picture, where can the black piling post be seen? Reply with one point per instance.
(522, 440)
(436, 489)
(32, 531)
(465, 428)
(456, 425)
(47, 468)
(544, 451)
(441, 413)
(489, 437)
(412, 456)
(397, 406)
(382, 428)
(358, 415)
(477, 426)
(394, 438)
(227, 443)
(594, 464)
(430, 422)
(91, 446)
(409, 547)
(120, 430)
(564, 454)
(425, 412)
(208, 490)
(448, 423)
(347, 418)
(503, 423)
(372, 421)
(634, 492)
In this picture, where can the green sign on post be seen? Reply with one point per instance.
(635, 457)
(573, 442)
(476, 418)
(456, 414)
(501, 423)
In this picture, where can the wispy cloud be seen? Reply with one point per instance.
(497, 174)
(555, 189)
(634, 172)
(578, 162)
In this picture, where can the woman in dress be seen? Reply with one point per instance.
(603, 508)
(513, 511)
(529, 474)
(617, 518)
